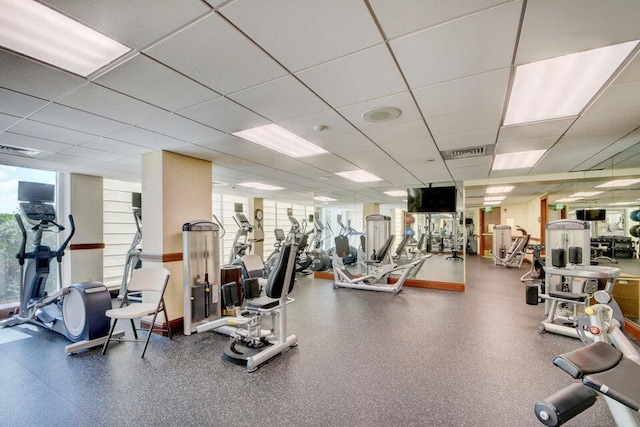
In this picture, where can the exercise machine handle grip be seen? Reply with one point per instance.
(60, 251)
(23, 246)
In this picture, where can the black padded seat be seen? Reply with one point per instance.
(590, 359)
(275, 283)
(619, 383)
(568, 296)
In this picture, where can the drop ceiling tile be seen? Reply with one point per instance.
(468, 93)
(89, 153)
(118, 147)
(328, 162)
(237, 62)
(22, 141)
(400, 133)
(411, 153)
(546, 129)
(309, 33)
(136, 24)
(224, 115)
(7, 121)
(466, 121)
(475, 44)
(280, 99)
(470, 162)
(304, 126)
(367, 74)
(181, 128)
(55, 133)
(143, 78)
(59, 115)
(609, 120)
(517, 145)
(402, 101)
(552, 28)
(18, 104)
(228, 144)
(146, 138)
(8, 160)
(630, 74)
(71, 160)
(618, 97)
(344, 143)
(467, 139)
(622, 147)
(478, 172)
(402, 17)
(113, 105)
(31, 78)
(197, 151)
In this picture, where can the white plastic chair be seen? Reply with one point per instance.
(146, 280)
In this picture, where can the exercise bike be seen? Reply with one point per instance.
(321, 260)
(76, 311)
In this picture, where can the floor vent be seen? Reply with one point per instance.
(463, 153)
(19, 151)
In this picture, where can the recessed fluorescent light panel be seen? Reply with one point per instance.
(494, 198)
(359, 176)
(34, 30)
(324, 199)
(396, 193)
(279, 139)
(623, 204)
(586, 193)
(499, 190)
(568, 200)
(491, 203)
(618, 183)
(561, 87)
(260, 186)
(521, 160)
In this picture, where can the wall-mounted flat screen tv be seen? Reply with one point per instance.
(591, 214)
(432, 200)
(36, 192)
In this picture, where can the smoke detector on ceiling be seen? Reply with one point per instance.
(381, 114)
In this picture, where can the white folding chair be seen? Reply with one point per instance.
(148, 281)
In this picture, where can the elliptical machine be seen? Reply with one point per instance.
(321, 260)
(133, 261)
(76, 311)
(241, 243)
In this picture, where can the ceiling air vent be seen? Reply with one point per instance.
(20, 151)
(463, 153)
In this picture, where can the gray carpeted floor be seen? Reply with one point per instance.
(421, 358)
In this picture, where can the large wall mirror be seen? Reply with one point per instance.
(610, 194)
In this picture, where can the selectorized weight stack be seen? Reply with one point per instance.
(201, 273)
(377, 233)
(501, 242)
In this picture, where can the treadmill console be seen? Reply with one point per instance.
(279, 234)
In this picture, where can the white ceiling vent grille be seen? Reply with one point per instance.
(20, 151)
(463, 153)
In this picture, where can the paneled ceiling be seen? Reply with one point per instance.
(199, 71)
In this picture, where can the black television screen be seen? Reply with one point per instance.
(36, 192)
(136, 200)
(591, 214)
(432, 200)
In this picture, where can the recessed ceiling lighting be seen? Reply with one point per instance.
(281, 140)
(586, 193)
(618, 183)
(568, 199)
(494, 198)
(521, 160)
(498, 190)
(561, 87)
(260, 186)
(34, 30)
(359, 176)
(381, 114)
(326, 178)
(396, 193)
(623, 204)
(491, 203)
(324, 199)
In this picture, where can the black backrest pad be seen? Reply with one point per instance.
(275, 282)
(251, 288)
(342, 246)
(595, 357)
(230, 294)
(402, 244)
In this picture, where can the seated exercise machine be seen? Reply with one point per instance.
(76, 311)
(506, 252)
(379, 268)
(605, 372)
(252, 344)
(536, 272)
